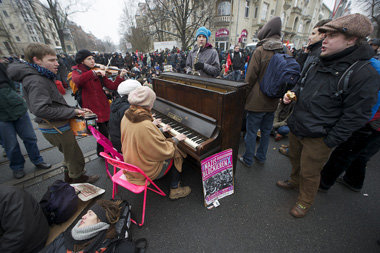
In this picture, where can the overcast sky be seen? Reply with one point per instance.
(103, 18)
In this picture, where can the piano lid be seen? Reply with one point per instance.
(200, 123)
(203, 80)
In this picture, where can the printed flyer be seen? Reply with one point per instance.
(217, 176)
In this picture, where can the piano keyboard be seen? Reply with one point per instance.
(193, 139)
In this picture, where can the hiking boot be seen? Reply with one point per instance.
(286, 185)
(18, 174)
(345, 183)
(179, 192)
(85, 179)
(241, 159)
(43, 166)
(298, 211)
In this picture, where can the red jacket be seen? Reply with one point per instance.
(93, 96)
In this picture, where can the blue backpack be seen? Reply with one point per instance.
(280, 76)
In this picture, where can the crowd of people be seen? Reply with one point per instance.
(332, 111)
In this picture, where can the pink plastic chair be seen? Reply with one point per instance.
(107, 145)
(119, 179)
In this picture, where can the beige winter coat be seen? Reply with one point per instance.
(144, 146)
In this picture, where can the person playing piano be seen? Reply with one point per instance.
(145, 146)
(203, 60)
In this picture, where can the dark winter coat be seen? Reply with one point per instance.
(41, 94)
(118, 107)
(12, 105)
(313, 55)
(93, 96)
(320, 113)
(24, 227)
(237, 61)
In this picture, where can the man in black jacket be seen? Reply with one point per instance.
(314, 45)
(237, 59)
(23, 227)
(326, 112)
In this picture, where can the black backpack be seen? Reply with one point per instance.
(59, 203)
(123, 242)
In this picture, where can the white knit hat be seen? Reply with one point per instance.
(142, 96)
(127, 86)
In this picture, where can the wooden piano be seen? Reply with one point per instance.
(208, 111)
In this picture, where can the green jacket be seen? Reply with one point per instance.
(12, 105)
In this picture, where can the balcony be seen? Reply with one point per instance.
(222, 20)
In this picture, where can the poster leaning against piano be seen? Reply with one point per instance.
(217, 176)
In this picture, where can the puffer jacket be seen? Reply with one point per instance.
(24, 227)
(41, 95)
(93, 96)
(12, 105)
(118, 107)
(320, 113)
(209, 57)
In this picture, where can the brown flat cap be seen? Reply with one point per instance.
(356, 25)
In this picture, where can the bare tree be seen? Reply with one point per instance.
(139, 39)
(59, 15)
(178, 19)
(372, 9)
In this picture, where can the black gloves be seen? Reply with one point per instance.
(199, 66)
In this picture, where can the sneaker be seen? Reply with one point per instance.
(85, 179)
(298, 211)
(18, 174)
(344, 182)
(179, 192)
(43, 166)
(286, 184)
(241, 159)
(284, 150)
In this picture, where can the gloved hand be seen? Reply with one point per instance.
(199, 66)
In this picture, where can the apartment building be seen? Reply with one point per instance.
(26, 21)
(238, 21)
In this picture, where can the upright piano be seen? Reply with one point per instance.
(208, 111)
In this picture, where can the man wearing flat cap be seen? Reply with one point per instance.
(326, 112)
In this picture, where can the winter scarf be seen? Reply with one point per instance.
(87, 232)
(43, 71)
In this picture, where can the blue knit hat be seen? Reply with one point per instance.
(203, 31)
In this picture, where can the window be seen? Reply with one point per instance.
(224, 8)
(246, 8)
(295, 26)
(300, 28)
(256, 10)
(68, 47)
(264, 11)
(11, 26)
(8, 47)
(30, 29)
(34, 39)
(18, 38)
(57, 43)
(6, 15)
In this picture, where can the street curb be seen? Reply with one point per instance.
(41, 175)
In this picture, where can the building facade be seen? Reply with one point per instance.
(27, 21)
(238, 21)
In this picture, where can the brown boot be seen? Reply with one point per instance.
(85, 179)
(287, 185)
(298, 211)
(180, 192)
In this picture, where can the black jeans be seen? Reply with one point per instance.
(352, 157)
(103, 129)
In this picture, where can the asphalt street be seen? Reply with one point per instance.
(254, 219)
